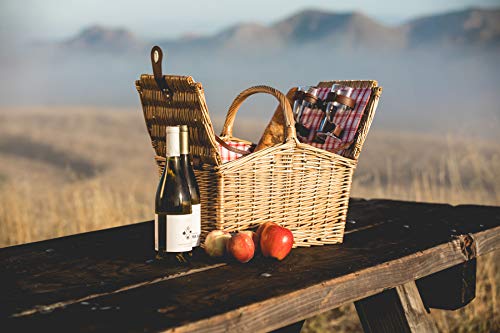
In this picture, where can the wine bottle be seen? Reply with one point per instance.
(173, 204)
(194, 190)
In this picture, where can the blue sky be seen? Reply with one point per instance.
(55, 19)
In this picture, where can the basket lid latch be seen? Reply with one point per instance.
(156, 59)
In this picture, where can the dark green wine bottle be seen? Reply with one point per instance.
(194, 190)
(173, 232)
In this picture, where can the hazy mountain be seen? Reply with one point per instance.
(441, 57)
(347, 30)
(472, 28)
(306, 28)
(99, 38)
(248, 35)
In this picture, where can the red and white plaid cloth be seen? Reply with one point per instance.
(349, 121)
(227, 155)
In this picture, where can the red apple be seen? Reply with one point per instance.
(254, 237)
(215, 243)
(261, 228)
(241, 247)
(276, 242)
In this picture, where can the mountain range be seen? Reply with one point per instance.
(470, 28)
(443, 57)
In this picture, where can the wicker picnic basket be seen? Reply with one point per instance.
(303, 188)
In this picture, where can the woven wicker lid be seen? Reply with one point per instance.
(186, 106)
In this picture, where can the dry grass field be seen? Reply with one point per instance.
(70, 170)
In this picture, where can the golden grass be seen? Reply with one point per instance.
(72, 170)
(65, 210)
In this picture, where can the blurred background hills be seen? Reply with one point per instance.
(468, 29)
(428, 65)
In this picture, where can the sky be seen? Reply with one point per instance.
(59, 19)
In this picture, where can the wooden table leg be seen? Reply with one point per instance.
(395, 310)
(450, 289)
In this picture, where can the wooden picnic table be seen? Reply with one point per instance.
(108, 280)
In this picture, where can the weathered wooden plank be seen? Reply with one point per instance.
(79, 267)
(398, 310)
(416, 242)
(74, 268)
(327, 295)
(414, 309)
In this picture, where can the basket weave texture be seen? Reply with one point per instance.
(301, 187)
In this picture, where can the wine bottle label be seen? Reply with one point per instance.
(179, 233)
(196, 225)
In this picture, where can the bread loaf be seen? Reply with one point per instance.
(275, 131)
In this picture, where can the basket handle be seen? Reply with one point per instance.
(227, 130)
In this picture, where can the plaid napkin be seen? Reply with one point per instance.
(227, 155)
(349, 121)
